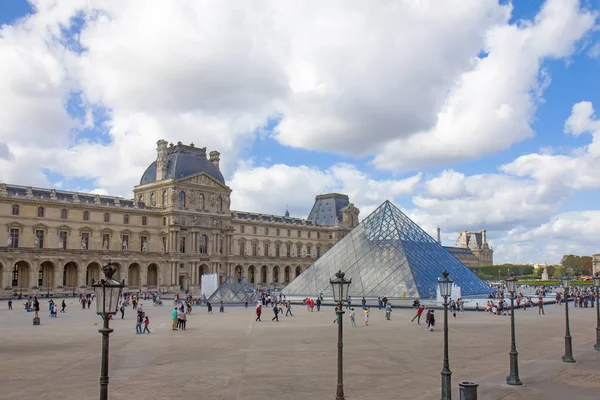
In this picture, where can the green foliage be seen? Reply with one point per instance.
(500, 272)
(552, 283)
(577, 265)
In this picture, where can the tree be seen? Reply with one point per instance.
(577, 265)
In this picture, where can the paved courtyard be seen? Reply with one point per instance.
(230, 356)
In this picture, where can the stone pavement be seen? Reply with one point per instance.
(230, 356)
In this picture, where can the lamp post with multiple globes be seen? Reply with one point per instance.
(513, 376)
(568, 357)
(340, 287)
(108, 291)
(597, 285)
(445, 285)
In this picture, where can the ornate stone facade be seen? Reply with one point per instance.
(472, 249)
(178, 227)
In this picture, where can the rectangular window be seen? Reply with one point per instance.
(331, 236)
(309, 234)
(266, 230)
(125, 243)
(242, 229)
(318, 235)
(254, 230)
(62, 240)
(85, 240)
(277, 250)
(63, 213)
(299, 251)
(15, 209)
(126, 219)
(242, 248)
(318, 252)
(299, 233)
(39, 235)
(106, 217)
(144, 243)
(105, 241)
(14, 238)
(278, 232)
(266, 249)
(182, 244)
(289, 232)
(308, 251)
(288, 249)
(144, 220)
(254, 248)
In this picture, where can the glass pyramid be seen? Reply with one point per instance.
(387, 254)
(234, 291)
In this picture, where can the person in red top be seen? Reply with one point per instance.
(418, 315)
(258, 312)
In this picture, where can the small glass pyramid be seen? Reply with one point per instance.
(387, 254)
(234, 291)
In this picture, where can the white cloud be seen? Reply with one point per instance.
(270, 189)
(575, 171)
(490, 106)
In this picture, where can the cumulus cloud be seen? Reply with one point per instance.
(489, 108)
(574, 171)
(271, 189)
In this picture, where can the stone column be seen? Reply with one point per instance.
(33, 274)
(58, 273)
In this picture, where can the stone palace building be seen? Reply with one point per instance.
(178, 227)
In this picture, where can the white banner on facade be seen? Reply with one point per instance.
(209, 284)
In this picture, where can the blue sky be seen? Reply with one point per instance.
(286, 99)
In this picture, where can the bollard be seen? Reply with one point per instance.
(468, 390)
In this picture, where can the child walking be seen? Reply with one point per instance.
(367, 316)
(146, 323)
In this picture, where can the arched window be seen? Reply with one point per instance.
(164, 221)
(219, 203)
(153, 199)
(106, 217)
(86, 215)
(201, 201)
(41, 212)
(63, 213)
(182, 199)
(15, 209)
(164, 199)
(203, 244)
(144, 220)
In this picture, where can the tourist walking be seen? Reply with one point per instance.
(276, 312)
(367, 316)
(352, 316)
(138, 323)
(430, 318)
(388, 311)
(10, 304)
(221, 307)
(541, 306)
(63, 306)
(258, 312)
(36, 307)
(174, 317)
(209, 307)
(364, 303)
(288, 310)
(146, 323)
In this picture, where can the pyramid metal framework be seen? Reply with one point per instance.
(387, 254)
(234, 291)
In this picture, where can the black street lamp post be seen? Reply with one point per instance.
(568, 357)
(597, 285)
(513, 376)
(340, 295)
(445, 285)
(108, 291)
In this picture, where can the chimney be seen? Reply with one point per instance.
(439, 239)
(214, 158)
(161, 160)
(483, 237)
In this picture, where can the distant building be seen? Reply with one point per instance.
(472, 248)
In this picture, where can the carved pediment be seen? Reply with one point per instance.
(125, 232)
(40, 227)
(202, 179)
(63, 228)
(86, 229)
(15, 225)
(107, 231)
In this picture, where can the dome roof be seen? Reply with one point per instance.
(183, 161)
